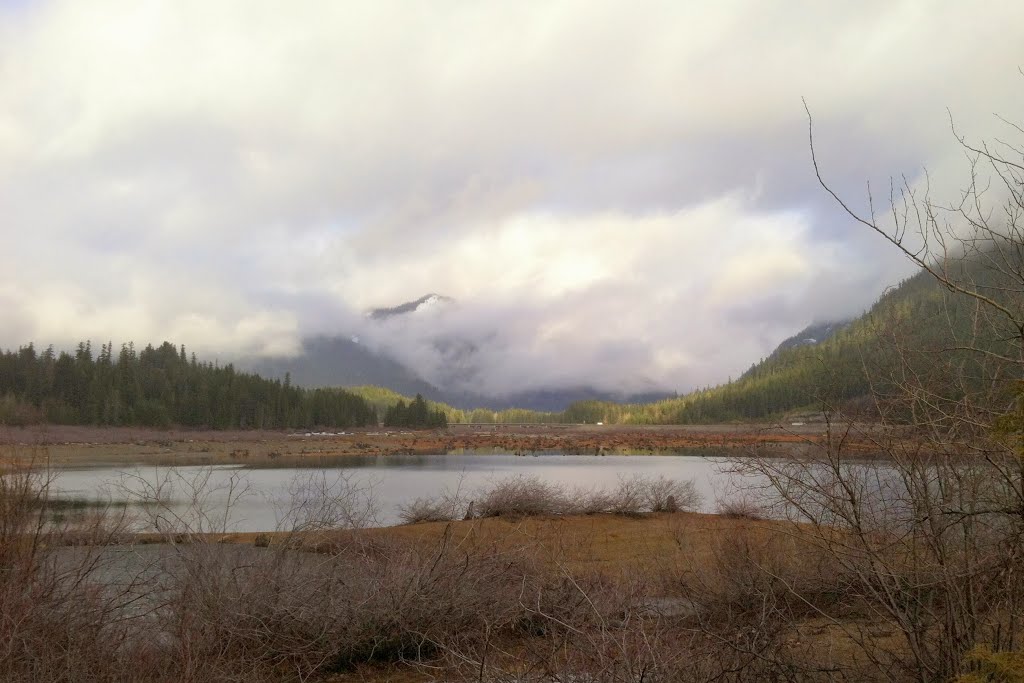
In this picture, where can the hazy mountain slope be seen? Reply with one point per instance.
(802, 375)
(382, 399)
(815, 333)
(342, 362)
(826, 363)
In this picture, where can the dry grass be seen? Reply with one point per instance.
(597, 597)
(588, 540)
(605, 542)
(120, 445)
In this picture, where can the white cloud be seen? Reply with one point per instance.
(619, 300)
(617, 190)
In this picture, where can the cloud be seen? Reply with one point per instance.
(614, 193)
(621, 301)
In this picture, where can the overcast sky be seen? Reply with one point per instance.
(618, 191)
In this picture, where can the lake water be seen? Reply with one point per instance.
(237, 498)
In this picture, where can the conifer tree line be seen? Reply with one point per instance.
(161, 387)
(909, 324)
(415, 414)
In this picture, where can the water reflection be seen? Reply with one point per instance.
(261, 499)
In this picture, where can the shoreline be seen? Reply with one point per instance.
(318, 540)
(86, 446)
(75, 441)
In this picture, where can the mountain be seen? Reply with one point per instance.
(815, 333)
(911, 331)
(346, 360)
(424, 302)
(342, 362)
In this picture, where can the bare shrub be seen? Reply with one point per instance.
(630, 495)
(313, 614)
(521, 496)
(426, 510)
(589, 501)
(479, 608)
(932, 527)
(739, 506)
(924, 540)
(759, 600)
(260, 611)
(528, 495)
(448, 505)
(58, 620)
(661, 491)
(574, 626)
(184, 503)
(317, 501)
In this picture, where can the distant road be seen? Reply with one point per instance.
(809, 428)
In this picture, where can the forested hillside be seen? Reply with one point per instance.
(904, 330)
(385, 399)
(160, 386)
(836, 369)
(163, 386)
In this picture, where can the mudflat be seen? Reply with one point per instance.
(74, 445)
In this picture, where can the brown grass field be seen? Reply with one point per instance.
(654, 548)
(604, 542)
(699, 581)
(662, 551)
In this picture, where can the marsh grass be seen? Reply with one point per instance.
(530, 588)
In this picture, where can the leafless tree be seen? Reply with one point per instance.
(318, 501)
(185, 501)
(919, 513)
(69, 610)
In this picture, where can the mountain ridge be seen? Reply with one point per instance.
(343, 360)
(427, 300)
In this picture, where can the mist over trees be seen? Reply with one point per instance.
(163, 386)
(160, 387)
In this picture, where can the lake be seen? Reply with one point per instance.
(239, 498)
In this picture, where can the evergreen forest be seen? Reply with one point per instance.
(161, 387)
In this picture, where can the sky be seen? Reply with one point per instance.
(615, 193)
